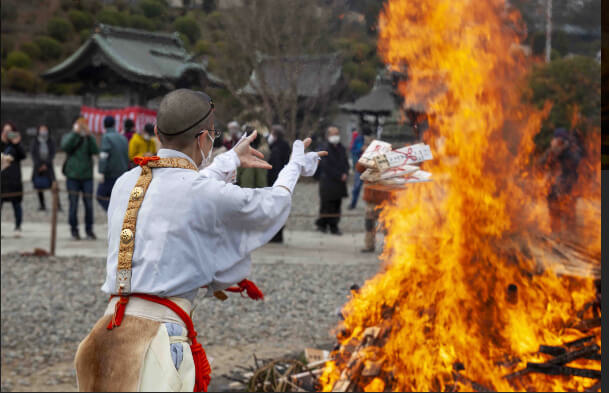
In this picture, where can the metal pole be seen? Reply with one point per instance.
(55, 193)
(548, 30)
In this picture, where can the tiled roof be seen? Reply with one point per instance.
(379, 100)
(137, 55)
(311, 75)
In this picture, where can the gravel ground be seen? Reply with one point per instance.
(305, 207)
(49, 305)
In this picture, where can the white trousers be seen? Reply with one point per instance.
(159, 373)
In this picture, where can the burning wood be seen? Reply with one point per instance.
(471, 271)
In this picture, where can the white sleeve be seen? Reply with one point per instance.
(223, 167)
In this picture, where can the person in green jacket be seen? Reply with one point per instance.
(252, 177)
(80, 147)
(113, 160)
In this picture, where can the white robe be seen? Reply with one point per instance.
(195, 228)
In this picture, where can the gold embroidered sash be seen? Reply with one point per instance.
(127, 237)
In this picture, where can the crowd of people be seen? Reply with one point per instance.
(118, 149)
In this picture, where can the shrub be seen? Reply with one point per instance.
(22, 80)
(152, 8)
(366, 72)
(59, 29)
(49, 48)
(80, 20)
(349, 69)
(185, 39)
(358, 87)
(7, 45)
(189, 27)
(84, 35)
(18, 59)
(110, 16)
(31, 49)
(202, 47)
(140, 22)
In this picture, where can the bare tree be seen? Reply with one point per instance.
(276, 41)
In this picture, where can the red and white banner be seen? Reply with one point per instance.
(139, 115)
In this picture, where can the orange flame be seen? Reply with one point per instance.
(455, 246)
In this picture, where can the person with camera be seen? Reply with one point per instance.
(11, 185)
(80, 147)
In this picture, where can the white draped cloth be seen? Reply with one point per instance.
(197, 228)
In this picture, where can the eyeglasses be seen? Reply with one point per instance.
(214, 133)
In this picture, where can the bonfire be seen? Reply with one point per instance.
(468, 293)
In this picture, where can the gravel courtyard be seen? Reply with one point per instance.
(49, 304)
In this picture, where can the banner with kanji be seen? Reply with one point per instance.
(139, 115)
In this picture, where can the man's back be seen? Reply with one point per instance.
(116, 162)
(179, 209)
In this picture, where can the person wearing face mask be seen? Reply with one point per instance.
(43, 173)
(142, 143)
(280, 155)
(12, 184)
(234, 133)
(173, 228)
(128, 129)
(113, 160)
(333, 173)
(80, 147)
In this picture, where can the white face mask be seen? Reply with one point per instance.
(147, 136)
(206, 160)
(75, 127)
(271, 139)
(334, 139)
(43, 136)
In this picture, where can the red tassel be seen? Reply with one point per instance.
(143, 161)
(119, 312)
(203, 374)
(252, 290)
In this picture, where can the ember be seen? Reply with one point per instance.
(469, 281)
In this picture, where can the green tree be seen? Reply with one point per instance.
(50, 49)
(18, 59)
(59, 28)
(22, 80)
(140, 22)
(31, 49)
(188, 26)
(573, 86)
(80, 20)
(110, 16)
(202, 47)
(152, 8)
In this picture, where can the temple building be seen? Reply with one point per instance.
(139, 64)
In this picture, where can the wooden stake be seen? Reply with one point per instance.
(55, 193)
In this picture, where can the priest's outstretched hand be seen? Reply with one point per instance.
(252, 158)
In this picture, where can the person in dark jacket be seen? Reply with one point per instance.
(280, 155)
(10, 145)
(333, 171)
(113, 161)
(128, 129)
(43, 173)
(562, 160)
(80, 147)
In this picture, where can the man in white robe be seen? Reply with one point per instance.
(194, 229)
